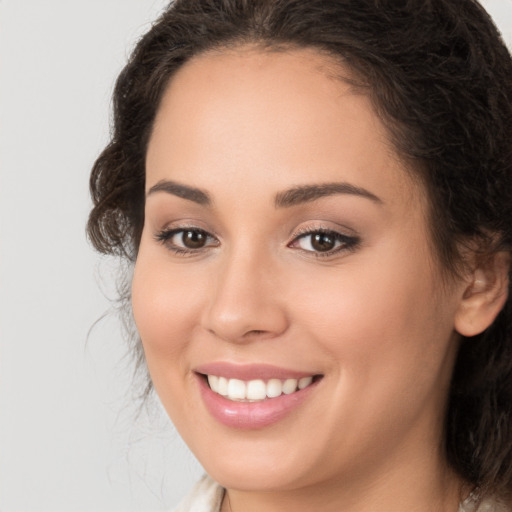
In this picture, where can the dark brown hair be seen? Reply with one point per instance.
(440, 77)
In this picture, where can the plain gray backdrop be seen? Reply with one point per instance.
(70, 438)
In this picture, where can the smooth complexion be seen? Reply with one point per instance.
(230, 279)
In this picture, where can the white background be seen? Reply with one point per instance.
(69, 438)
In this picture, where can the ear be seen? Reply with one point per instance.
(484, 296)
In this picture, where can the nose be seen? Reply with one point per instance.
(245, 302)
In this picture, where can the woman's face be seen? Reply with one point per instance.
(285, 246)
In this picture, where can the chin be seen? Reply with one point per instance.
(258, 464)
(243, 476)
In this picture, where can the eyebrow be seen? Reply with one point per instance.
(193, 194)
(307, 193)
(291, 197)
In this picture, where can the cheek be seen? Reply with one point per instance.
(381, 319)
(165, 306)
(389, 346)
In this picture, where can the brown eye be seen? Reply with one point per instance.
(322, 242)
(186, 240)
(193, 239)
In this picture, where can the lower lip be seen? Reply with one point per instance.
(251, 415)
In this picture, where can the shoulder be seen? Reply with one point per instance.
(206, 496)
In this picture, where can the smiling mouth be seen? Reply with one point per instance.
(257, 390)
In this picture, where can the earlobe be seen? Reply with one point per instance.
(484, 296)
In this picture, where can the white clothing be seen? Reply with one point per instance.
(206, 496)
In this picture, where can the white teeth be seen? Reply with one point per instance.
(222, 386)
(236, 389)
(274, 388)
(213, 381)
(289, 386)
(305, 382)
(255, 390)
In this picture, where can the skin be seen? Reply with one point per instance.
(375, 319)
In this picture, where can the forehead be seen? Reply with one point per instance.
(290, 116)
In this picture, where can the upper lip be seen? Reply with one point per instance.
(248, 372)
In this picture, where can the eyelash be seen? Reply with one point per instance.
(345, 242)
(165, 238)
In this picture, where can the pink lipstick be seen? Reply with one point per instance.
(252, 396)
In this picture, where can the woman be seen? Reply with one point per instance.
(316, 197)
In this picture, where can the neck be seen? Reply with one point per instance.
(398, 488)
